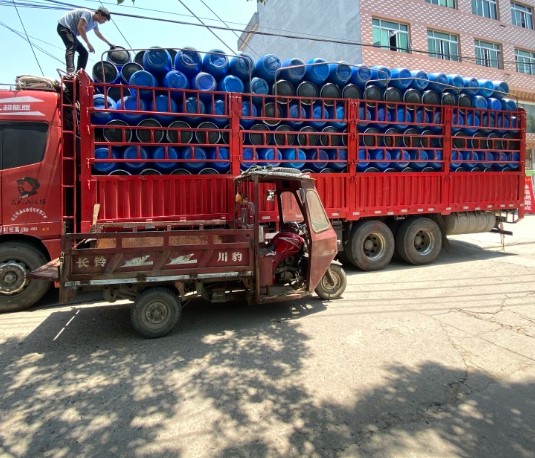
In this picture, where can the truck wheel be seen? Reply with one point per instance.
(333, 284)
(155, 312)
(17, 291)
(419, 241)
(370, 245)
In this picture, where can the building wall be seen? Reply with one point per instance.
(329, 19)
(352, 21)
(421, 16)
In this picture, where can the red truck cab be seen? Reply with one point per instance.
(30, 183)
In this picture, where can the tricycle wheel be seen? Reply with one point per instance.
(333, 283)
(155, 312)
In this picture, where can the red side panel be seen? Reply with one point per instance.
(384, 193)
(159, 197)
(484, 190)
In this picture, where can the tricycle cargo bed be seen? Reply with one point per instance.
(156, 256)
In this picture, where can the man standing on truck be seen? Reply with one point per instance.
(77, 23)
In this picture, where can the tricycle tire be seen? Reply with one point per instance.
(155, 312)
(333, 284)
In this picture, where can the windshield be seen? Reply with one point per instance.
(291, 212)
(318, 217)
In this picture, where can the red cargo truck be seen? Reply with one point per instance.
(448, 181)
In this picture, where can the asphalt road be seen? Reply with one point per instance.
(413, 361)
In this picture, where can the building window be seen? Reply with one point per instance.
(391, 35)
(530, 116)
(485, 8)
(525, 61)
(443, 45)
(446, 3)
(522, 15)
(488, 54)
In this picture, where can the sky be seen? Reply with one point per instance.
(40, 17)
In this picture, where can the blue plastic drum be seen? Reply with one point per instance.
(188, 61)
(196, 157)
(131, 109)
(241, 66)
(143, 78)
(102, 103)
(295, 74)
(360, 75)
(139, 154)
(266, 67)
(105, 167)
(339, 73)
(157, 61)
(219, 159)
(401, 78)
(269, 156)
(216, 63)
(363, 161)
(162, 104)
(167, 155)
(317, 71)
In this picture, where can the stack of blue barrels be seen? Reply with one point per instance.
(167, 111)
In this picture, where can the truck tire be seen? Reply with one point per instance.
(17, 292)
(333, 283)
(370, 245)
(419, 241)
(156, 312)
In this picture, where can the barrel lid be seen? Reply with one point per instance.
(105, 72)
(156, 57)
(392, 94)
(412, 96)
(372, 92)
(270, 62)
(129, 69)
(142, 78)
(284, 139)
(448, 98)
(464, 100)
(307, 89)
(351, 91)
(259, 86)
(231, 83)
(430, 97)
(283, 88)
(330, 90)
(119, 55)
(308, 136)
(205, 82)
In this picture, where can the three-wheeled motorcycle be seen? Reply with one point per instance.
(285, 256)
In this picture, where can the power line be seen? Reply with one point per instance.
(215, 14)
(294, 36)
(208, 27)
(28, 39)
(119, 30)
(24, 37)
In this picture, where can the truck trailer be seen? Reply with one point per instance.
(394, 175)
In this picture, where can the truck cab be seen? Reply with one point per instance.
(30, 183)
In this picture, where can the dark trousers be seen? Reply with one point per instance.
(72, 45)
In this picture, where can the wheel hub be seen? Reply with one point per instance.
(156, 313)
(12, 277)
(423, 242)
(373, 245)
